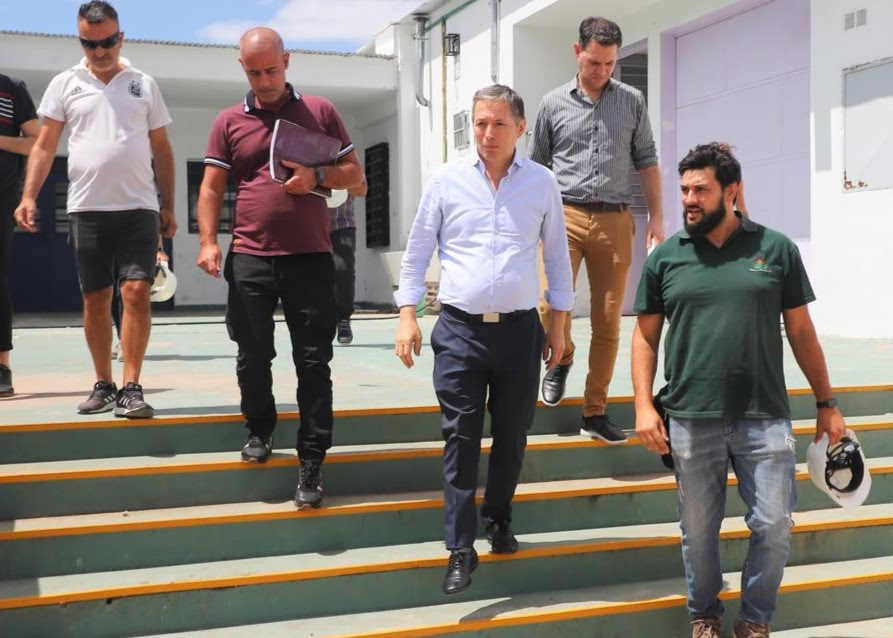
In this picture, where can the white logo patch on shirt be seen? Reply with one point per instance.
(136, 90)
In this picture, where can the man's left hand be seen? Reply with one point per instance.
(168, 222)
(553, 348)
(302, 181)
(655, 234)
(830, 420)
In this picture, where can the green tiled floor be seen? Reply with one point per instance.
(190, 367)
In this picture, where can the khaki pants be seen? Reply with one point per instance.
(605, 241)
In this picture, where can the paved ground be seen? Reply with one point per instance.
(190, 367)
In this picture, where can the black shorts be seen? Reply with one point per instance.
(113, 245)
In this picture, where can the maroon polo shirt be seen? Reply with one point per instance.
(268, 220)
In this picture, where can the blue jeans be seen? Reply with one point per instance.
(761, 452)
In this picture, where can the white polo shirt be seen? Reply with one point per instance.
(109, 155)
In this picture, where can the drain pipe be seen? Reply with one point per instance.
(421, 21)
(494, 40)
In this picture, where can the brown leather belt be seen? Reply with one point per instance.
(596, 207)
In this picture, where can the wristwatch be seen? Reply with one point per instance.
(320, 173)
(828, 403)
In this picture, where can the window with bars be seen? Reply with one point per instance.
(195, 171)
(461, 132)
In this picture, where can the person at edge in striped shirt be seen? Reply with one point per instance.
(589, 131)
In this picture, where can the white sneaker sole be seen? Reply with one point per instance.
(598, 437)
(106, 408)
(145, 412)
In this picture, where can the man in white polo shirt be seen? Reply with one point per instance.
(116, 119)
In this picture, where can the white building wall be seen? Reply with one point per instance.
(848, 231)
(198, 82)
(851, 231)
(189, 138)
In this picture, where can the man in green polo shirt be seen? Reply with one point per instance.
(722, 284)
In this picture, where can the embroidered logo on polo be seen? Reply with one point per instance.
(759, 265)
(135, 88)
(75, 91)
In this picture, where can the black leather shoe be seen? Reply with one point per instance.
(458, 576)
(502, 541)
(553, 385)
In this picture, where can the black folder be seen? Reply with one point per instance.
(302, 145)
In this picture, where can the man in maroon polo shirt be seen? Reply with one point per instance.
(280, 251)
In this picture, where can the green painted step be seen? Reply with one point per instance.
(78, 543)
(98, 437)
(875, 628)
(645, 609)
(332, 583)
(97, 485)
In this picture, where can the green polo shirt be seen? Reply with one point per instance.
(723, 348)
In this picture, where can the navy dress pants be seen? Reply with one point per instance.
(476, 366)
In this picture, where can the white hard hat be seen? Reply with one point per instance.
(165, 284)
(338, 197)
(840, 471)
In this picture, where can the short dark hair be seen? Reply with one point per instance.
(717, 155)
(504, 93)
(97, 11)
(601, 30)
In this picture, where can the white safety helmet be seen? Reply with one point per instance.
(840, 471)
(338, 197)
(165, 284)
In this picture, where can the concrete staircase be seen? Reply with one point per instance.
(150, 528)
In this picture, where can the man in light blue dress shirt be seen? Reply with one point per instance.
(486, 214)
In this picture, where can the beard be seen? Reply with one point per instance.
(709, 221)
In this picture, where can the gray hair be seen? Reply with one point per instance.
(97, 11)
(504, 93)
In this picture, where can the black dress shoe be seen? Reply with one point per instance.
(502, 541)
(553, 385)
(458, 576)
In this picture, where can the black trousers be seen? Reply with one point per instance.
(344, 245)
(9, 199)
(472, 360)
(304, 285)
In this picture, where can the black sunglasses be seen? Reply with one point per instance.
(107, 43)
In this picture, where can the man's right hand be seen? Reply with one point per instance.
(650, 430)
(409, 337)
(25, 213)
(209, 259)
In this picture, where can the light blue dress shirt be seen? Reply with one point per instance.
(487, 240)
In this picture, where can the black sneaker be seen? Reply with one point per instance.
(599, 426)
(502, 540)
(345, 334)
(130, 403)
(309, 492)
(102, 399)
(6, 389)
(257, 449)
(553, 385)
(458, 575)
